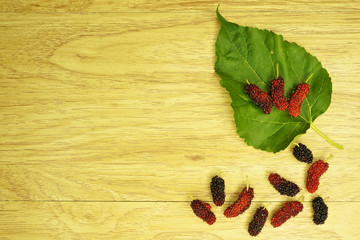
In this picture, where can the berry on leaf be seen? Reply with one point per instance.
(277, 94)
(297, 98)
(259, 97)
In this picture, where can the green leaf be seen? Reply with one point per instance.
(253, 54)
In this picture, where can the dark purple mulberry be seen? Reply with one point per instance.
(202, 210)
(217, 187)
(320, 211)
(302, 153)
(283, 186)
(258, 221)
(259, 97)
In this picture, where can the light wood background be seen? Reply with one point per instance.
(110, 112)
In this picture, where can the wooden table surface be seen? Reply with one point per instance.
(111, 112)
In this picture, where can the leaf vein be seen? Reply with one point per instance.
(238, 51)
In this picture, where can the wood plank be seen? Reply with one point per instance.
(174, 220)
(178, 5)
(127, 107)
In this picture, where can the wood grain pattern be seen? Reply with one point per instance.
(175, 6)
(110, 117)
(128, 220)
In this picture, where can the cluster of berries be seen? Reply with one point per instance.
(282, 185)
(276, 98)
(316, 170)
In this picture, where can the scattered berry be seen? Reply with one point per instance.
(297, 97)
(283, 186)
(258, 221)
(320, 211)
(314, 173)
(217, 187)
(202, 210)
(277, 94)
(288, 210)
(259, 97)
(302, 153)
(240, 205)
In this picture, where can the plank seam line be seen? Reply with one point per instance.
(239, 11)
(110, 201)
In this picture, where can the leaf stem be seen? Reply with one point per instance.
(338, 146)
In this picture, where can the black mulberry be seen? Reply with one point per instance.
(217, 187)
(320, 210)
(283, 186)
(259, 97)
(302, 153)
(258, 221)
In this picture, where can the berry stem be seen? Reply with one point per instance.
(277, 70)
(247, 81)
(302, 199)
(267, 205)
(338, 146)
(308, 78)
(192, 198)
(328, 158)
(247, 183)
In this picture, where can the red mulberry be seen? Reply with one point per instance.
(314, 173)
(283, 186)
(259, 97)
(320, 211)
(297, 97)
(240, 205)
(288, 210)
(202, 210)
(258, 221)
(217, 187)
(277, 94)
(302, 153)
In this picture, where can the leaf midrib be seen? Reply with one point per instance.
(245, 60)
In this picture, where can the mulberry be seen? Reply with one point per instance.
(217, 187)
(302, 153)
(314, 173)
(288, 210)
(297, 97)
(258, 221)
(283, 186)
(320, 211)
(240, 205)
(202, 210)
(277, 94)
(259, 97)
